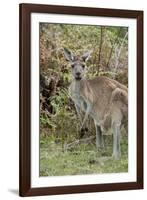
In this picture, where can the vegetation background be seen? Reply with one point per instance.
(61, 150)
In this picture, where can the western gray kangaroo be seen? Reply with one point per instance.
(104, 99)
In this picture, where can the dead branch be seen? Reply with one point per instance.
(77, 142)
(118, 52)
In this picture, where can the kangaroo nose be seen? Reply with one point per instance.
(78, 73)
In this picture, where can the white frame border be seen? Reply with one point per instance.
(37, 181)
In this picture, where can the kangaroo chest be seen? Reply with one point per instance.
(83, 103)
(76, 96)
(79, 101)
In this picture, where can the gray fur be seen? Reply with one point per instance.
(104, 99)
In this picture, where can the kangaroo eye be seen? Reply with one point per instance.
(83, 66)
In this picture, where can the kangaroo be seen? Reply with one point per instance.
(102, 98)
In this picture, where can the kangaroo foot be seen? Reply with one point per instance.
(83, 131)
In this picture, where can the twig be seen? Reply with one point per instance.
(79, 141)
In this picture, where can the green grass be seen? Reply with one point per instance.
(82, 159)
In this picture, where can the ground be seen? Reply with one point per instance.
(82, 158)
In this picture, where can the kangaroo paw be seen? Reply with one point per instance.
(82, 132)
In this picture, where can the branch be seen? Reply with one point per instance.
(79, 141)
(117, 54)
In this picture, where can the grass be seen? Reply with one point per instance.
(82, 159)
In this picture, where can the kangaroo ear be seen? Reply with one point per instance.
(86, 56)
(68, 55)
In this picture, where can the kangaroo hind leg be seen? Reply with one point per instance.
(116, 126)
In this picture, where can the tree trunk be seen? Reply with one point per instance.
(100, 49)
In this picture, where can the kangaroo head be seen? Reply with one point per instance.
(78, 64)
